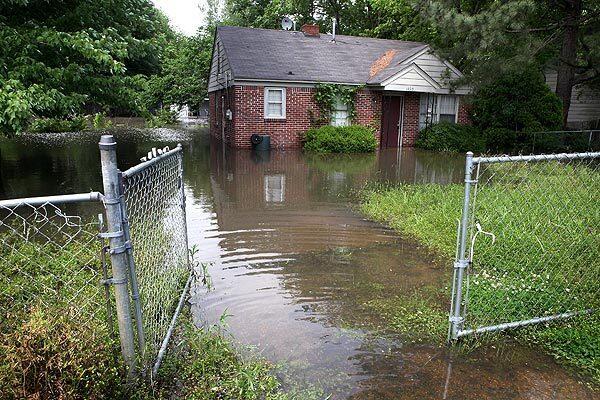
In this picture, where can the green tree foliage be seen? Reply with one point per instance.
(183, 79)
(486, 37)
(387, 19)
(519, 101)
(61, 56)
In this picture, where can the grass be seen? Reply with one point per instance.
(546, 256)
(55, 341)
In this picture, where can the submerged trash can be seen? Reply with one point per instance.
(260, 142)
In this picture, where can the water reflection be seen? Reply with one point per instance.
(294, 263)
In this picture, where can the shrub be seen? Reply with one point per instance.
(54, 125)
(340, 139)
(519, 101)
(499, 140)
(162, 118)
(99, 121)
(447, 136)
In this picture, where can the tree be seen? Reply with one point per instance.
(61, 56)
(485, 37)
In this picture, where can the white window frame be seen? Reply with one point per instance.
(435, 117)
(336, 108)
(267, 102)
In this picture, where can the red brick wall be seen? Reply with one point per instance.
(247, 105)
(411, 119)
(218, 103)
(463, 113)
(368, 110)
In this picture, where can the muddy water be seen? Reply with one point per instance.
(292, 263)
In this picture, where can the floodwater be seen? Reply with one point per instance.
(292, 262)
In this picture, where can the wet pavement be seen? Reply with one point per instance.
(292, 262)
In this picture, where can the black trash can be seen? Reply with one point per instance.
(261, 142)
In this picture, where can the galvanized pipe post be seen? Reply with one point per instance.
(135, 291)
(456, 319)
(118, 250)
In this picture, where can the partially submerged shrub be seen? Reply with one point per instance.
(447, 136)
(162, 118)
(340, 139)
(99, 121)
(55, 125)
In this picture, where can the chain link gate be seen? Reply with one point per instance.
(62, 254)
(153, 202)
(528, 246)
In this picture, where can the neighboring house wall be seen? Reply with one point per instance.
(585, 104)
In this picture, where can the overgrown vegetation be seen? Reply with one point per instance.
(55, 341)
(161, 118)
(522, 274)
(327, 95)
(53, 125)
(340, 139)
(447, 136)
(69, 58)
(509, 115)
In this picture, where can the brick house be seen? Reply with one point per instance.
(263, 81)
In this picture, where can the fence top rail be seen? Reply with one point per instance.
(538, 157)
(60, 199)
(145, 164)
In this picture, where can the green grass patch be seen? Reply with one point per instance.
(55, 341)
(546, 258)
(415, 317)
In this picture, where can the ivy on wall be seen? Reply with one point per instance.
(327, 94)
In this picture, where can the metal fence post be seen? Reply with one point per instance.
(135, 291)
(118, 249)
(456, 319)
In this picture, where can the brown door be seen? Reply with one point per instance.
(391, 121)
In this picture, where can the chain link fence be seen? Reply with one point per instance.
(50, 282)
(155, 204)
(112, 264)
(529, 243)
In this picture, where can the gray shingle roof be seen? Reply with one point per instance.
(268, 54)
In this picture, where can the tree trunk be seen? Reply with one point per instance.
(568, 56)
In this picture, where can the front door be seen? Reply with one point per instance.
(391, 121)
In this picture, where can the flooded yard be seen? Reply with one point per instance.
(293, 263)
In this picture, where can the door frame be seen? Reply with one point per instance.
(400, 123)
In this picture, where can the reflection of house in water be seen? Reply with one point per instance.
(290, 202)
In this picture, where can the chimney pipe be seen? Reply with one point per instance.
(310, 30)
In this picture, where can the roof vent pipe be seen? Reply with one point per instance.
(334, 23)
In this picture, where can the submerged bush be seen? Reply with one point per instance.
(162, 118)
(447, 136)
(340, 139)
(55, 125)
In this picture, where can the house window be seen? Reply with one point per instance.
(274, 103)
(339, 116)
(437, 108)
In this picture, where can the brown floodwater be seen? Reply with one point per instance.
(292, 263)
